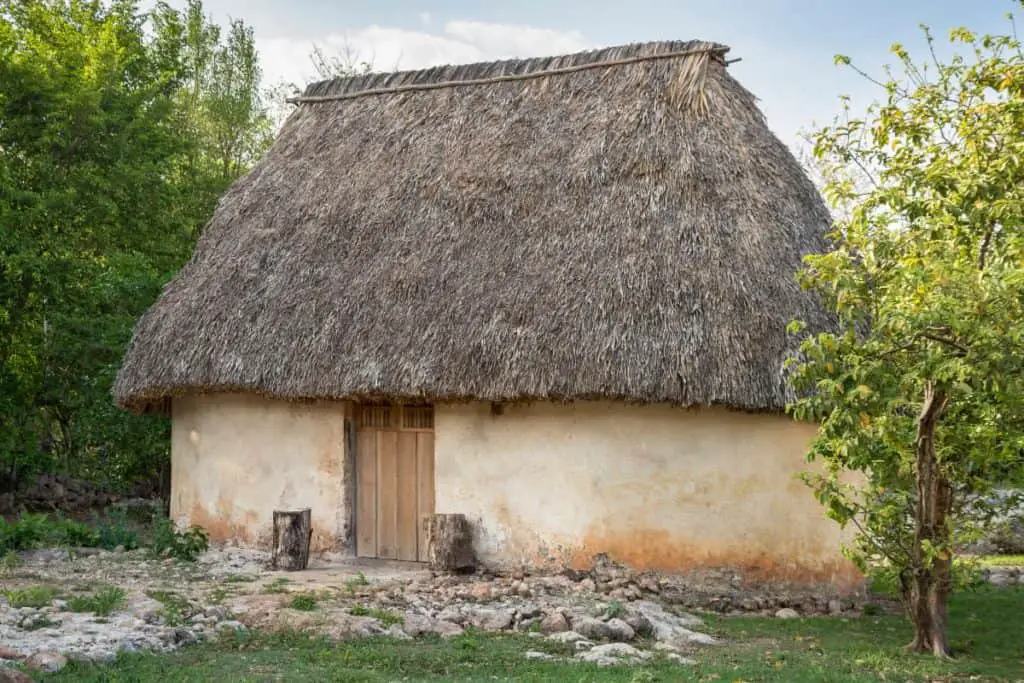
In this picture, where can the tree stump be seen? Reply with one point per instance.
(449, 542)
(293, 530)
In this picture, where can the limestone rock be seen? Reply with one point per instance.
(787, 613)
(835, 607)
(566, 637)
(9, 675)
(8, 653)
(542, 656)
(619, 630)
(613, 653)
(591, 628)
(50, 662)
(554, 623)
(417, 625)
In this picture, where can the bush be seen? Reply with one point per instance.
(38, 530)
(305, 602)
(182, 545)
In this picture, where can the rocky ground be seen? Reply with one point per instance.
(610, 615)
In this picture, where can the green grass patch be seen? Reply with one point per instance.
(1001, 560)
(306, 602)
(33, 596)
(104, 601)
(385, 617)
(175, 610)
(985, 626)
(277, 586)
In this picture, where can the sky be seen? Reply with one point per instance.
(786, 47)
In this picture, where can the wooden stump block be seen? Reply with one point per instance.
(293, 530)
(449, 542)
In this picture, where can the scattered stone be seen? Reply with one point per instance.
(591, 628)
(835, 607)
(566, 637)
(554, 623)
(9, 675)
(8, 653)
(481, 591)
(417, 625)
(533, 654)
(681, 660)
(787, 613)
(50, 662)
(613, 653)
(619, 630)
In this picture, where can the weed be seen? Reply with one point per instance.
(33, 596)
(185, 545)
(104, 601)
(175, 608)
(616, 610)
(385, 617)
(276, 586)
(239, 578)
(305, 602)
(358, 580)
(217, 595)
(114, 531)
(34, 622)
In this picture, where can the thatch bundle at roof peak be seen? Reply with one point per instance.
(617, 223)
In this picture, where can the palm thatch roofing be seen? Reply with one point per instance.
(617, 223)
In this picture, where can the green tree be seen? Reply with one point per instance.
(920, 389)
(115, 143)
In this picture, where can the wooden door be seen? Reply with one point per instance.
(394, 480)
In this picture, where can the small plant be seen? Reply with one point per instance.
(185, 545)
(33, 596)
(239, 578)
(616, 610)
(27, 532)
(72, 534)
(175, 608)
(217, 595)
(276, 586)
(355, 581)
(34, 622)
(102, 602)
(385, 617)
(9, 562)
(114, 531)
(305, 602)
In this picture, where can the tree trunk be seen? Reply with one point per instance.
(927, 591)
(292, 532)
(449, 543)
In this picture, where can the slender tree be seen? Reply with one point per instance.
(920, 389)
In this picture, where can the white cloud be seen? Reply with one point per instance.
(389, 48)
(425, 18)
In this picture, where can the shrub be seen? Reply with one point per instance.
(185, 545)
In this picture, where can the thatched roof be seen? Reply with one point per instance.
(616, 223)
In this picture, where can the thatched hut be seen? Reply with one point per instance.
(551, 294)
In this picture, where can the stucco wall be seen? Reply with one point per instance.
(236, 458)
(654, 486)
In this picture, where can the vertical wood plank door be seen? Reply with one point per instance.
(394, 480)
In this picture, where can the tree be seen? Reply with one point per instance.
(115, 144)
(919, 389)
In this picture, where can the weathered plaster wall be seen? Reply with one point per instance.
(235, 458)
(656, 487)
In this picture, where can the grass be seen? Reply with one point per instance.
(104, 601)
(985, 628)
(175, 610)
(385, 617)
(1001, 561)
(305, 602)
(277, 586)
(33, 596)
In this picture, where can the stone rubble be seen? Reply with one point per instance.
(599, 616)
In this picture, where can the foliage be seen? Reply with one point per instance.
(386, 617)
(33, 596)
(306, 602)
(920, 389)
(185, 545)
(39, 530)
(175, 610)
(104, 601)
(114, 531)
(754, 649)
(120, 131)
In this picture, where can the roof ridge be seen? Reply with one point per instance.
(482, 73)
